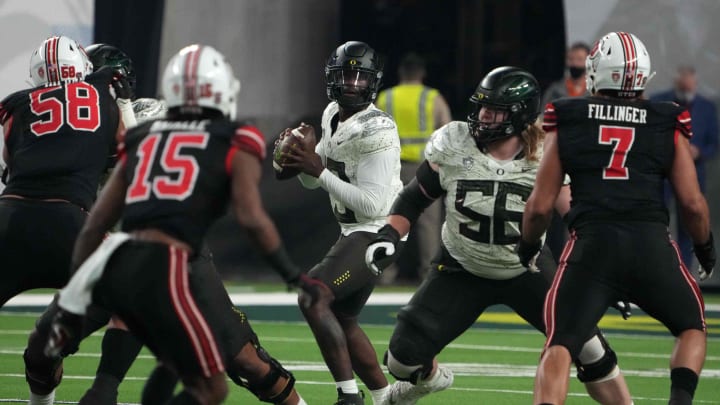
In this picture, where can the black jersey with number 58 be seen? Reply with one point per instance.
(617, 153)
(178, 174)
(59, 139)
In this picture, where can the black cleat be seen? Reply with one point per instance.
(65, 331)
(350, 399)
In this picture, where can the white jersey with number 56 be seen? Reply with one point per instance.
(484, 202)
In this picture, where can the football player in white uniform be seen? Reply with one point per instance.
(357, 161)
(485, 169)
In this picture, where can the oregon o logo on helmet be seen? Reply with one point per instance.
(353, 62)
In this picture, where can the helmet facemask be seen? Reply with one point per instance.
(104, 55)
(504, 104)
(352, 87)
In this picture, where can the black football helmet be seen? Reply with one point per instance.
(353, 74)
(508, 89)
(102, 55)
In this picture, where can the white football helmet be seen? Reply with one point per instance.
(618, 62)
(200, 76)
(59, 59)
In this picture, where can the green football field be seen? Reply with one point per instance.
(494, 363)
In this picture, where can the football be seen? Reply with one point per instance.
(294, 138)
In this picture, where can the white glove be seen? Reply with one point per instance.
(377, 252)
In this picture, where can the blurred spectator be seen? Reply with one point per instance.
(572, 85)
(418, 110)
(703, 144)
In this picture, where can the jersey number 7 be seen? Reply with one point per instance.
(623, 139)
(172, 162)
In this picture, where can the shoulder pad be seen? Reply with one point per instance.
(378, 132)
(447, 142)
(9, 103)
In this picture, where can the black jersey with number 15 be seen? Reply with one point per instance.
(59, 139)
(178, 174)
(617, 154)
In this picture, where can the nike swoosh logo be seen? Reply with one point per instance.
(525, 169)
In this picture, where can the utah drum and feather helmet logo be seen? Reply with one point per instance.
(615, 76)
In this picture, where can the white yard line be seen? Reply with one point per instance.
(264, 299)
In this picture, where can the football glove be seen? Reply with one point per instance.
(122, 86)
(707, 257)
(379, 253)
(528, 253)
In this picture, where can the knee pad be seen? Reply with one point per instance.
(262, 387)
(42, 374)
(404, 372)
(597, 362)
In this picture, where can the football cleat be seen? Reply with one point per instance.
(350, 399)
(405, 393)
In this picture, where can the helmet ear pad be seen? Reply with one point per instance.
(510, 89)
(351, 64)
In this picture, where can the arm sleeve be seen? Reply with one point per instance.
(374, 177)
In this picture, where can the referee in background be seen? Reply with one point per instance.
(418, 110)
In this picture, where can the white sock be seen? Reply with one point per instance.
(36, 399)
(379, 394)
(301, 401)
(347, 387)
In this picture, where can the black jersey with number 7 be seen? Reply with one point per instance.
(618, 154)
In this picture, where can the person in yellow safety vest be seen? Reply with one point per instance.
(418, 110)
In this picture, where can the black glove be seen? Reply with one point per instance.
(122, 87)
(528, 252)
(707, 257)
(624, 308)
(379, 253)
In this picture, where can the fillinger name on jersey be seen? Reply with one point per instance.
(617, 113)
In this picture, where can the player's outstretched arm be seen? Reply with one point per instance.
(539, 207)
(105, 213)
(693, 206)
(250, 214)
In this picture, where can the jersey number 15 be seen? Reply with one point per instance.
(172, 162)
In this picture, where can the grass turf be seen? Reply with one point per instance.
(492, 366)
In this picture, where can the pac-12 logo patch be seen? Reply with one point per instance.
(468, 162)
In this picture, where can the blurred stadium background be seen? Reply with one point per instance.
(278, 50)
